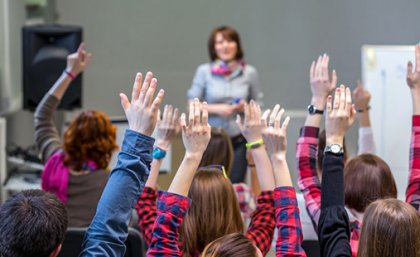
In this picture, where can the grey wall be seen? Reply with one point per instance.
(280, 38)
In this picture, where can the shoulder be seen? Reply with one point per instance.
(203, 68)
(249, 69)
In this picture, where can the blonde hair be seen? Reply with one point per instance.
(214, 211)
(391, 228)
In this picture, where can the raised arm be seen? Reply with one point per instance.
(46, 135)
(413, 81)
(307, 145)
(361, 102)
(173, 205)
(334, 228)
(108, 231)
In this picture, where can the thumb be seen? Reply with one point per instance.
(124, 102)
(239, 121)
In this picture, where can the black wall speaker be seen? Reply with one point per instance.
(45, 50)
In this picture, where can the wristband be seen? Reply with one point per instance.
(158, 153)
(363, 110)
(255, 144)
(71, 75)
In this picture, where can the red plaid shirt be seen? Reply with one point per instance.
(172, 209)
(260, 230)
(310, 186)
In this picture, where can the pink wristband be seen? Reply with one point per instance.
(71, 75)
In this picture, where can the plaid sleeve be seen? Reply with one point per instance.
(308, 181)
(245, 198)
(146, 210)
(171, 209)
(288, 224)
(413, 188)
(261, 228)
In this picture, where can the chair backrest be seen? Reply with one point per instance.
(311, 248)
(72, 245)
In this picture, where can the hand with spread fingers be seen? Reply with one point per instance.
(319, 78)
(142, 110)
(413, 81)
(250, 127)
(167, 127)
(78, 61)
(196, 134)
(340, 115)
(273, 133)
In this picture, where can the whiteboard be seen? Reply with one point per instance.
(384, 71)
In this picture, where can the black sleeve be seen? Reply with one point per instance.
(333, 228)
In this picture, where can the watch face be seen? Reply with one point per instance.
(335, 148)
(311, 109)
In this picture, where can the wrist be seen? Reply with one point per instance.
(319, 102)
(193, 156)
(278, 158)
(70, 74)
(163, 144)
(338, 140)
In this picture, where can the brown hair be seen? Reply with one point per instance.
(321, 147)
(229, 34)
(219, 150)
(90, 136)
(214, 211)
(366, 179)
(390, 228)
(232, 245)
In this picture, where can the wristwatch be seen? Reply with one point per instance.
(313, 110)
(158, 153)
(334, 149)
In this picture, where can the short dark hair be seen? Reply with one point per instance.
(32, 223)
(367, 178)
(229, 34)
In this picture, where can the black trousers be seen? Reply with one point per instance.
(238, 172)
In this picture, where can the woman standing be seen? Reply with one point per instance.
(226, 83)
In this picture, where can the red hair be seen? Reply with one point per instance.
(89, 137)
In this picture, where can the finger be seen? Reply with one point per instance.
(191, 113)
(145, 86)
(417, 58)
(175, 117)
(124, 102)
(150, 92)
(285, 123)
(239, 122)
(246, 112)
(183, 123)
(197, 112)
(81, 48)
(88, 59)
(349, 103)
(329, 104)
(318, 67)
(336, 98)
(264, 118)
(312, 71)
(274, 114)
(205, 114)
(159, 116)
(158, 100)
(324, 70)
(136, 87)
(342, 97)
(258, 111)
(251, 110)
(167, 115)
(278, 119)
(334, 79)
(409, 70)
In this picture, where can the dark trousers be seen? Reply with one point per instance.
(238, 172)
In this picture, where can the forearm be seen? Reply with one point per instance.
(182, 181)
(416, 101)
(255, 185)
(264, 169)
(364, 119)
(332, 181)
(60, 86)
(281, 171)
(154, 173)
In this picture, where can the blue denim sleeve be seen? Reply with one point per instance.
(109, 229)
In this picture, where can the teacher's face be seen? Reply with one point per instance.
(225, 49)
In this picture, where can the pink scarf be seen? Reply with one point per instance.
(220, 67)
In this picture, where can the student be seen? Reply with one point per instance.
(226, 83)
(76, 169)
(213, 192)
(174, 204)
(32, 223)
(390, 227)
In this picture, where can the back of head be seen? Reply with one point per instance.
(214, 211)
(390, 228)
(219, 150)
(367, 178)
(89, 137)
(32, 223)
(232, 245)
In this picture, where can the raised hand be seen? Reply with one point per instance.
(167, 127)
(274, 135)
(340, 115)
(251, 126)
(196, 134)
(78, 61)
(321, 85)
(413, 76)
(142, 111)
(361, 97)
